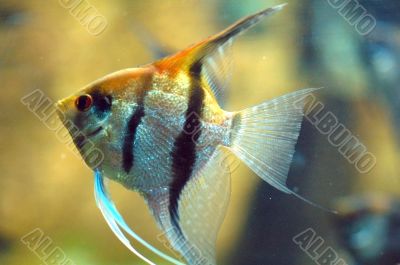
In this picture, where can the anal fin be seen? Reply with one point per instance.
(201, 209)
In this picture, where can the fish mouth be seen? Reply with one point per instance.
(82, 139)
(95, 132)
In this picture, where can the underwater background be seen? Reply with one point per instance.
(350, 48)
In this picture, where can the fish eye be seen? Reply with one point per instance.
(84, 102)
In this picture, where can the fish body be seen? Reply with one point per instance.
(149, 111)
(161, 130)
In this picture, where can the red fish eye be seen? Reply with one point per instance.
(84, 102)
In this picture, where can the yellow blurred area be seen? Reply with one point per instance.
(45, 185)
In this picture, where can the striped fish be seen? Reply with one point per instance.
(163, 134)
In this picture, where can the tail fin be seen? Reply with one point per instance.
(264, 137)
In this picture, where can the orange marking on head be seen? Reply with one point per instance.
(122, 79)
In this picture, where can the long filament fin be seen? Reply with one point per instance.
(116, 222)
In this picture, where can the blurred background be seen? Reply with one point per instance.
(43, 184)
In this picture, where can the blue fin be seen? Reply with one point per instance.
(116, 222)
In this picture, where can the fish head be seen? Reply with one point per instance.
(86, 110)
(95, 115)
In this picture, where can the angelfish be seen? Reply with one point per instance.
(163, 134)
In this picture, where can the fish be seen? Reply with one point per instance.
(162, 133)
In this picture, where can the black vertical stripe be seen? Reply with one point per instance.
(184, 151)
(132, 126)
(127, 149)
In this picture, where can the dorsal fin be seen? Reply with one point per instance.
(212, 53)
